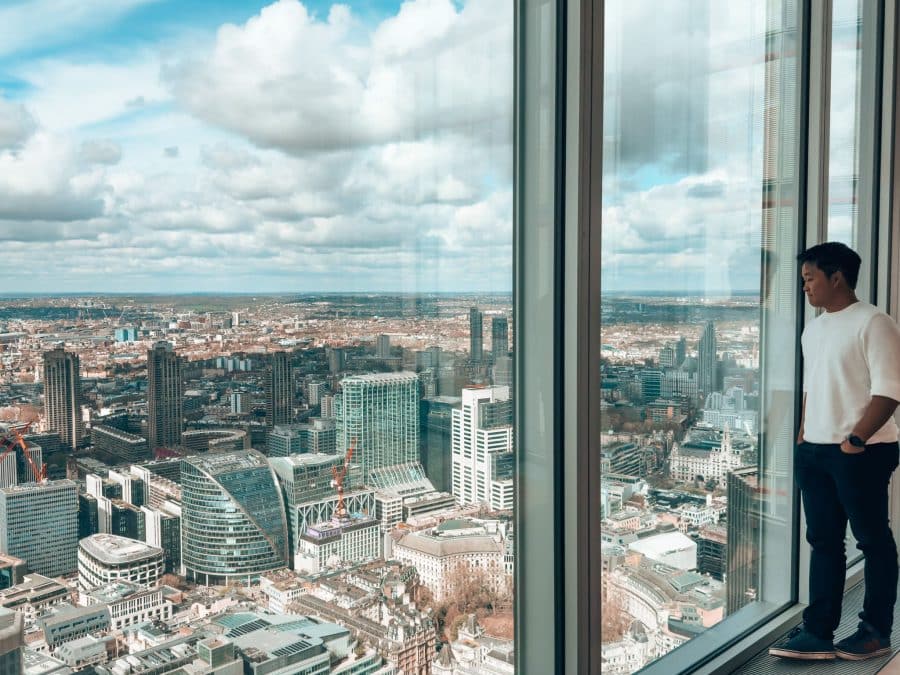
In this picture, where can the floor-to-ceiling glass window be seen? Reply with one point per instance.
(700, 193)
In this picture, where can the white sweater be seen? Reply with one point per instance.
(849, 357)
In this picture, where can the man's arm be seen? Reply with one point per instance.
(878, 412)
(802, 420)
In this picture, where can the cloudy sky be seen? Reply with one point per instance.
(238, 145)
(303, 145)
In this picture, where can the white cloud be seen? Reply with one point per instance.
(288, 80)
(16, 124)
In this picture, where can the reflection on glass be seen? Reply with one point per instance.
(258, 287)
(698, 328)
(844, 136)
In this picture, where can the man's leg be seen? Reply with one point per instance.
(863, 489)
(826, 526)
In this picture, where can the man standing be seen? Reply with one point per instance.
(846, 451)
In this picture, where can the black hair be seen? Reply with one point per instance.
(833, 256)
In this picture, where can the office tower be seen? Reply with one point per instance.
(62, 395)
(12, 641)
(706, 359)
(306, 483)
(680, 351)
(383, 347)
(279, 386)
(667, 356)
(476, 337)
(15, 469)
(327, 411)
(379, 414)
(336, 359)
(164, 530)
(316, 392)
(743, 541)
(235, 319)
(482, 448)
(165, 391)
(39, 523)
(437, 447)
(499, 337)
(234, 524)
(502, 372)
(240, 402)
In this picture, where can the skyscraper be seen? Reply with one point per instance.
(476, 336)
(234, 524)
(482, 446)
(499, 337)
(743, 540)
(279, 385)
(706, 361)
(383, 347)
(680, 351)
(380, 413)
(165, 391)
(62, 395)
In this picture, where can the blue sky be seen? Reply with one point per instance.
(163, 145)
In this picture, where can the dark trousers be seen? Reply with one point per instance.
(837, 487)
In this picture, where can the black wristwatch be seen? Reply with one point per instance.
(856, 441)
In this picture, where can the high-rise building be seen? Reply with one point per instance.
(379, 415)
(680, 351)
(62, 395)
(12, 641)
(163, 529)
(39, 523)
(233, 519)
(706, 359)
(279, 386)
(15, 469)
(383, 347)
(476, 336)
(499, 337)
(482, 446)
(165, 393)
(316, 391)
(327, 407)
(240, 402)
(306, 482)
(745, 504)
(437, 446)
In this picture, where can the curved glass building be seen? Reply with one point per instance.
(234, 525)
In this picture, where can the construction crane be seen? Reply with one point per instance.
(14, 439)
(338, 481)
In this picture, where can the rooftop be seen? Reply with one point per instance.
(228, 462)
(113, 549)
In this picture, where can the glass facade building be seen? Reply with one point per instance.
(234, 525)
(379, 416)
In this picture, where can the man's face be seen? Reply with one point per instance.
(818, 287)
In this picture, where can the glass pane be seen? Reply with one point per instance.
(851, 145)
(844, 133)
(698, 321)
(272, 241)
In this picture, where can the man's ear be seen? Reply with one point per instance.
(837, 278)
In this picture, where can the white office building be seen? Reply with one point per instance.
(482, 448)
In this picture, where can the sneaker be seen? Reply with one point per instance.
(801, 644)
(865, 643)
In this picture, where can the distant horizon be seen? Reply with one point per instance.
(74, 294)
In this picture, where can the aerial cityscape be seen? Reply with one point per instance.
(296, 483)
(680, 503)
